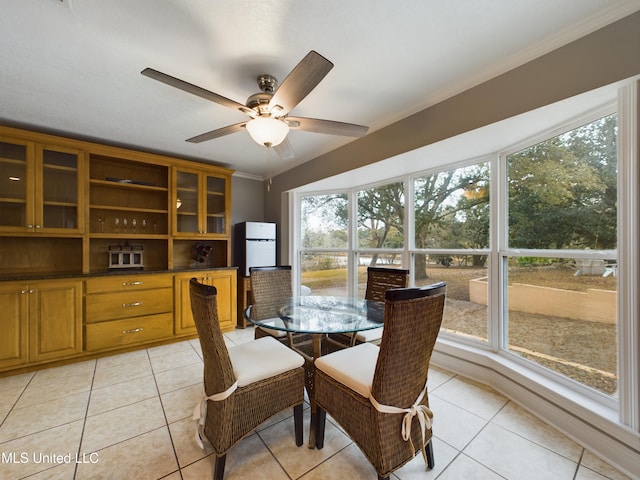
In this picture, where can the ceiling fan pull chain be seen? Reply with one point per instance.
(269, 168)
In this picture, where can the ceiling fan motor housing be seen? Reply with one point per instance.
(259, 102)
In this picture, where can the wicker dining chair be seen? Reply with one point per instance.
(271, 289)
(244, 385)
(371, 390)
(379, 280)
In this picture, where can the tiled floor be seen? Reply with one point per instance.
(129, 417)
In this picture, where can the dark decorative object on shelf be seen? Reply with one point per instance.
(201, 252)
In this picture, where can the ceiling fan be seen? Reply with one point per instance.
(269, 110)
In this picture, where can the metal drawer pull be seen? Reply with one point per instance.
(133, 330)
(129, 284)
(134, 304)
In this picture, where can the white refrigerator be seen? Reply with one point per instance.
(255, 245)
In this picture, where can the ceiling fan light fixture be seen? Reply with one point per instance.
(267, 131)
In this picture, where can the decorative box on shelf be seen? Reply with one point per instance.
(126, 257)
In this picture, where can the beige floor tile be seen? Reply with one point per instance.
(516, 458)
(240, 335)
(15, 381)
(30, 450)
(121, 394)
(114, 426)
(39, 392)
(43, 416)
(464, 467)
(584, 473)
(121, 359)
(593, 463)
(475, 398)
(178, 378)
(454, 425)
(347, 463)
(81, 372)
(516, 419)
(168, 349)
(9, 397)
(122, 373)
(179, 404)
(184, 442)
(297, 461)
(172, 360)
(145, 457)
(61, 472)
(248, 459)
(416, 469)
(437, 377)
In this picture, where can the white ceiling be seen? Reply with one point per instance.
(73, 66)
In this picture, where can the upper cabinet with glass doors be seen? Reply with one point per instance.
(40, 188)
(201, 204)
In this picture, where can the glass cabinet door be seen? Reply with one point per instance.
(187, 196)
(14, 184)
(59, 202)
(216, 208)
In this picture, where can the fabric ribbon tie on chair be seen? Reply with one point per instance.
(200, 412)
(423, 413)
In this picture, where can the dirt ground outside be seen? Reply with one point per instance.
(582, 350)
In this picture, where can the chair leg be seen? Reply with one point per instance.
(380, 477)
(430, 460)
(297, 423)
(321, 418)
(218, 467)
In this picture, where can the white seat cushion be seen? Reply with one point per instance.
(272, 332)
(353, 367)
(262, 358)
(372, 335)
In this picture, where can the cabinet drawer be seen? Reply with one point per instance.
(110, 306)
(119, 333)
(123, 283)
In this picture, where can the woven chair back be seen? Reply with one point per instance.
(412, 321)
(381, 279)
(271, 288)
(218, 371)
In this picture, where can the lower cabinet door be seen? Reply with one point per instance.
(225, 283)
(55, 320)
(14, 324)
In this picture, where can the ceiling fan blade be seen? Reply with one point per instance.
(285, 150)
(220, 132)
(194, 89)
(326, 126)
(299, 83)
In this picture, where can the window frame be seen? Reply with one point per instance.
(626, 404)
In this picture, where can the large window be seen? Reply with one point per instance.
(561, 262)
(451, 225)
(533, 275)
(323, 260)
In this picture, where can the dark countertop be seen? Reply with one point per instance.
(62, 275)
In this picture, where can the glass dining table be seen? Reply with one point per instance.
(321, 317)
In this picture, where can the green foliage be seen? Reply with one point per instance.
(562, 194)
(563, 191)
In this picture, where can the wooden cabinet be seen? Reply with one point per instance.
(41, 321)
(65, 206)
(128, 309)
(225, 282)
(41, 187)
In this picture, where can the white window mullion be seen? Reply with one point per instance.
(629, 255)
